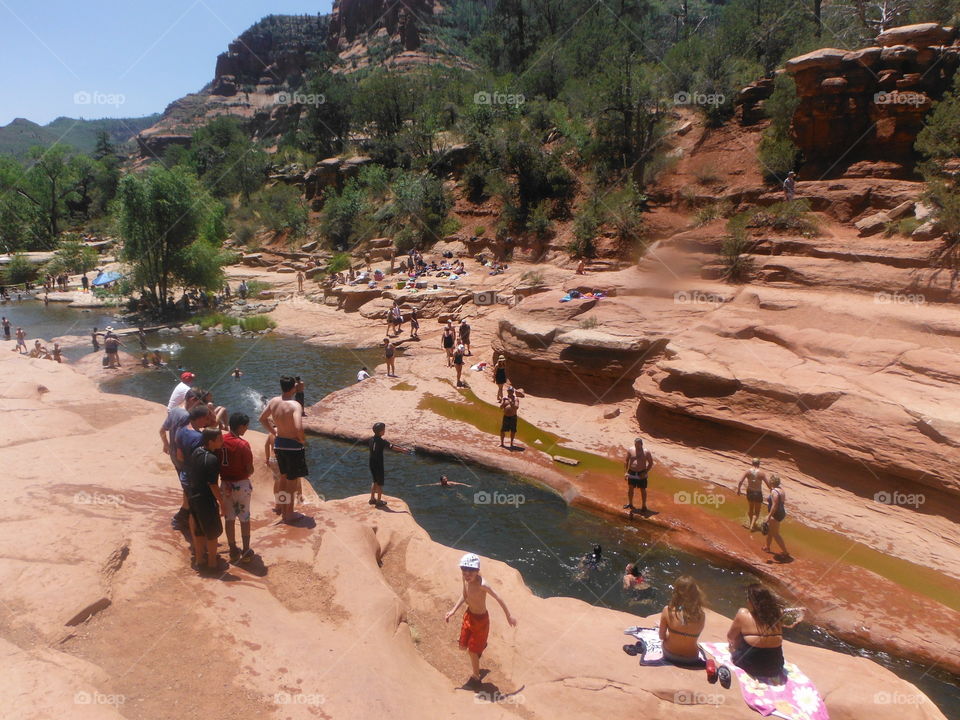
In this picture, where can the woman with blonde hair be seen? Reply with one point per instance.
(682, 621)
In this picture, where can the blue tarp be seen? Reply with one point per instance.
(106, 278)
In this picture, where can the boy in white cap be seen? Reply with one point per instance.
(476, 621)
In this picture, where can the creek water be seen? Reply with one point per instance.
(498, 515)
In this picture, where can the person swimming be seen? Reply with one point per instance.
(633, 578)
(444, 482)
(593, 558)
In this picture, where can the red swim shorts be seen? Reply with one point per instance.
(474, 632)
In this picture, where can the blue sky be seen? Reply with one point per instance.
(104, 58)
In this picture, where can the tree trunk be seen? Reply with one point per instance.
(816, 14)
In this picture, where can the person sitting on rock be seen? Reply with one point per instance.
(756, 634)
(681, 623)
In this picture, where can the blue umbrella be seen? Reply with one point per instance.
(106, 278)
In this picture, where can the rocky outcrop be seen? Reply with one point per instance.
(353, 19)
(275, 51)
(865, 104)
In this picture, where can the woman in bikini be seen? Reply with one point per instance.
(681, 623)
(389, 352)
(756, 634)
(500, 376)
(449, 336)
(776, 512)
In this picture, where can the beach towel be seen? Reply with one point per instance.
(653, 648)
(791, 695)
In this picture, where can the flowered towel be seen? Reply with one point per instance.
(791, 695)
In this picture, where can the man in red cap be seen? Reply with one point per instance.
(181, 390)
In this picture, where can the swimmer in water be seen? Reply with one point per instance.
(237, 372)
(633, 579)
(592, 559)
(444, 482)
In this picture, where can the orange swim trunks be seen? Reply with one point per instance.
(474, 632)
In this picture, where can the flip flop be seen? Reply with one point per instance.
(724, 676)
(632, 650)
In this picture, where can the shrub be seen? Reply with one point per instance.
(479, 230)
(256, 323)
(777, 152)
(736, 266)
(243, 233)
(255, 287)
(339, 262)
(791, 215)
(533, 278)
(585, 229)
(539, 222)
(588, 323)
(282, 209)
(712, 211)
(19, 270)
(210, 320)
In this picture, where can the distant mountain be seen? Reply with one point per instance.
(20, 135)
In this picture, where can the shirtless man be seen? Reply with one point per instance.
(283, 417)
(755, 478)
(510, 404)
(444, 482)
(476, 621)
(638, 465)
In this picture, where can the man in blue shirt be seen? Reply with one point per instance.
(176, 419)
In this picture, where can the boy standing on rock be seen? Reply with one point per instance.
(377, 445)
(236, 490)
(476, 620)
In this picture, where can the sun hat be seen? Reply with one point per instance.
(470, 562)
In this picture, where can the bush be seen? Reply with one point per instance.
(213, 319)
(539, 222)
(76, 256)
(474, 181)
(736, 266)
(243, 233)
(339, 262)
(791, 215)
(585, 229)
(534, 278)
(256, 323)
(282, 209)
(19, 270)
(713, 211)
(588, 323)
(777, 152)
(479, 230)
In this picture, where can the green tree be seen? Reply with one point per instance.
(160, 215)
(777, 151)
(226, 160)
(19, 270)
(52, 179)
(939, 143)
(327, 125)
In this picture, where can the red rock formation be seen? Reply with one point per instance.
(865, 104)
(351, 19)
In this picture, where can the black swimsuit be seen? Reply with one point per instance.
(758, 661)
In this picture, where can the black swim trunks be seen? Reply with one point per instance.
(755, 496)
(637, 479)
(206, 513)
(291, 458)
(509, 423)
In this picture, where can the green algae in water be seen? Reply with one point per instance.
(405, 386)
(917, 578)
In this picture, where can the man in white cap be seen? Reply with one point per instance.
(476, 621)
(181, 390)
